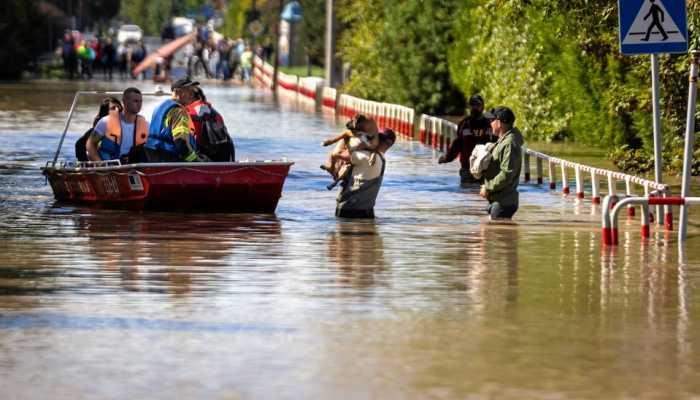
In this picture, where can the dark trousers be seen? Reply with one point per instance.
(353, 213)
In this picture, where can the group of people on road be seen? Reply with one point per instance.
(498, 184)
(180, 130)
(224, 59)
(84, 58)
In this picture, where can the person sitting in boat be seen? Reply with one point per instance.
(171, 137)
(213, 140)
(108, 105)
(115, 135)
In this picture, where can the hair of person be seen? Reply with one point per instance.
(199, 94)
(129, 91)
(104, 107)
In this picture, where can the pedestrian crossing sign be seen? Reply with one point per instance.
(653, 26)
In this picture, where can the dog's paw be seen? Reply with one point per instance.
(372, 158)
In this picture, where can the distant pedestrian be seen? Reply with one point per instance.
(472, 130)
(123, 59)
(109, 55)
(267, 50)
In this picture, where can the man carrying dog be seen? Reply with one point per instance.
(502, 176)
(472, 130)
(357, 198)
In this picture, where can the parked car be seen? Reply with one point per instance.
(129, 34)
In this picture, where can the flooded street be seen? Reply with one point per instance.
(428, 301)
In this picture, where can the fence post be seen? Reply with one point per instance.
(612, 188)
(552, 175)
(630, 193)
(652, 216)
(526, 165)
(539, 171)
(579, 182)
(668, 217)
(564, 178)
(595, 186)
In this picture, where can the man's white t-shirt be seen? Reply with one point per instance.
(127, 133)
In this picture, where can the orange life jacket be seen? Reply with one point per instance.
(111, 142)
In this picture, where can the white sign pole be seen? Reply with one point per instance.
(689, 139)
(658, 166)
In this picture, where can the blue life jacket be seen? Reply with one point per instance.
(160, 136)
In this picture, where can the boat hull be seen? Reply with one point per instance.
(254, 187)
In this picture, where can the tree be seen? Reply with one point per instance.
(312, 29)
(22, 36)
(415, 46)
(362, 24)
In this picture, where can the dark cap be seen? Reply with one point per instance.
(386, 134)
(501, 113)
(182, 82)
(476, 99)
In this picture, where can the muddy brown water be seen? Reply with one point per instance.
(428, 301)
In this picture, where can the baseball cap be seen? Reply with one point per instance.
(182, 82)
(386, 134)
(476, 99)
(501, 113)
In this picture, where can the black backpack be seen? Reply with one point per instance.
(215, 142)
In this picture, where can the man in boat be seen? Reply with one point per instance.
(357, 197)
(472, 130)
(213, 140)
(117, 135)
(172, 134)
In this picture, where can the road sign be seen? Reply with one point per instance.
(256, 28)
(653, 26)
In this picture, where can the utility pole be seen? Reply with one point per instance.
(332, 63)
(277, 49)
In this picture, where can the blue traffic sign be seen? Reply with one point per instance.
(653, 26)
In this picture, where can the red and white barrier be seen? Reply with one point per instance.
(610, 218)
(287, 84)
(329, 97)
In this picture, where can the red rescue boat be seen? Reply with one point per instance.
(240, 186)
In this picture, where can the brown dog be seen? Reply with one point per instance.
(360, 135)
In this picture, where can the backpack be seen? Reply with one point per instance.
(480, 159)
(215, 142)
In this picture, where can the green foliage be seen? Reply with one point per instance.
(363, 22)
(21, 36)
(312, 29)
(507, 68)
(397, 51)
(151, 15)
(414, 45)
(234, 24)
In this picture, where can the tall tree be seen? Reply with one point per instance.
(22, 36)
(312, 30)
(415, 45)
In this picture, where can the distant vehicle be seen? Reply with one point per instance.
(129, 33)
(179, 26)
(182, 26)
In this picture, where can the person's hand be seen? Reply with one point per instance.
(442, 160)
(483, 192)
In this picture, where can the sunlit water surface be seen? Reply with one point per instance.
(428, 301)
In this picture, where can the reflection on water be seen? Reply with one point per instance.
(430, 300)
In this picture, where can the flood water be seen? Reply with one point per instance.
(428, 301)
